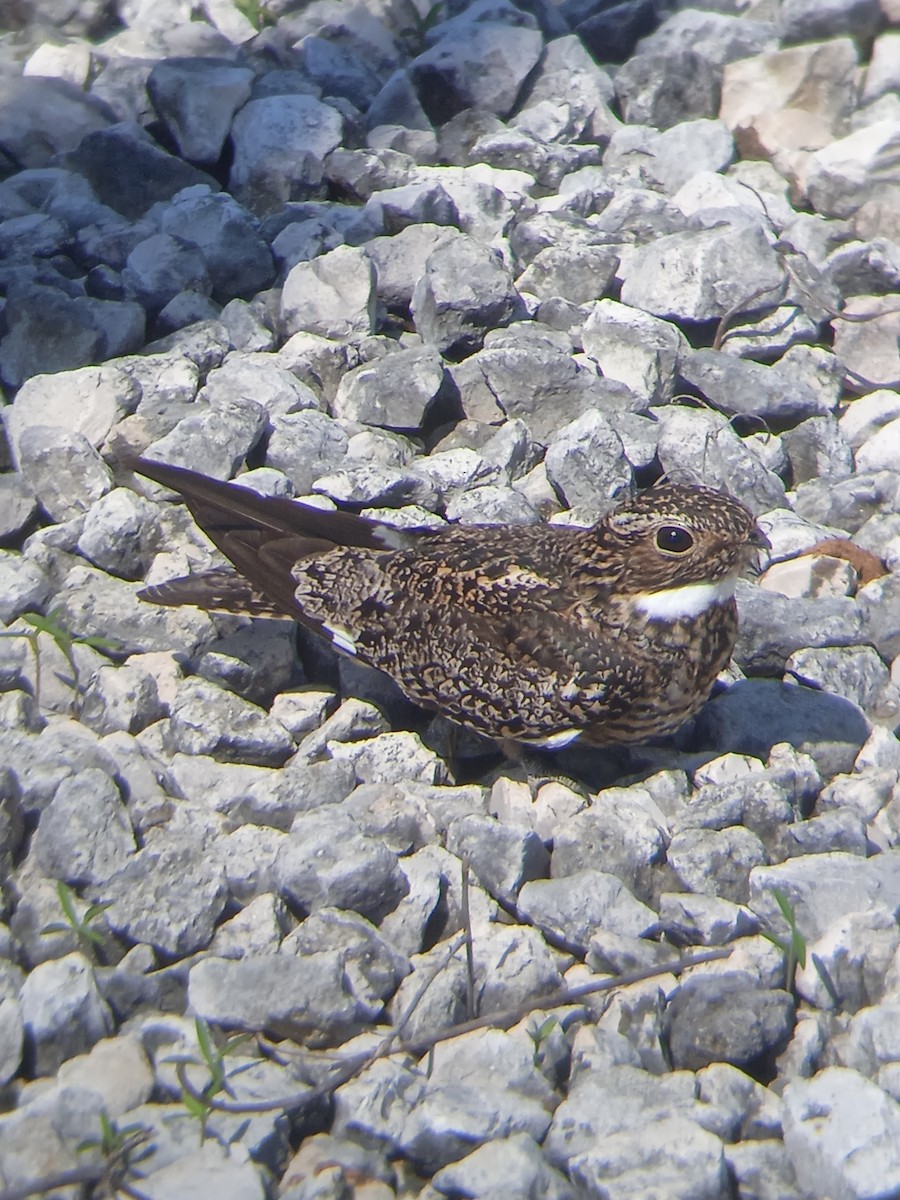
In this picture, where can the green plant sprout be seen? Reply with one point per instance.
(65, 640)
(414, 35)
(257, 13)
(541, 1035)
(794, 947)
(89, 939)
(197, 1100)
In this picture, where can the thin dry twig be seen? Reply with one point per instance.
(564, 998)
(470, 950)
(744, 305)
(111, 1172)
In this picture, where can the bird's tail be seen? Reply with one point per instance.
(263, 536)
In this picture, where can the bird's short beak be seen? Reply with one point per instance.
(759, 540)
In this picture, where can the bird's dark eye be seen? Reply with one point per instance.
(673, 539)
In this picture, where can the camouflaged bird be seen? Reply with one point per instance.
(538, 634)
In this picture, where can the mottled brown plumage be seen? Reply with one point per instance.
(538, 634)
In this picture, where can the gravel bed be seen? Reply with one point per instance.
(481, 262)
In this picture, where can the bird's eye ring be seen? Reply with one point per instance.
(673, 539)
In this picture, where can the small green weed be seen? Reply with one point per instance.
(257, 13)
(793, 947)
(197, 1100)
(415, 33)
(79, 923)
(65, 640)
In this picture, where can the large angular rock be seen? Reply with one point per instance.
(332, 295)
(197, 99)
(699, 276)
(280, 143)
(129, 171)
(465, 291)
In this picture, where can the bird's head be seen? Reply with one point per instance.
(675, 536)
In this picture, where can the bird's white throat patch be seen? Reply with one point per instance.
(682, 603)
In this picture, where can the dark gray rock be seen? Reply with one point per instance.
(667, 160)
(717, 859)
(464, 1103)
(237, 258)
(528, 373)
(755, 714)
(276, 389)
(256, 662)
(129, 171)
(308, 998)
(696, 444)
(737, 386)
(374, 485)
(84, 834)
(477, 61)
(679, 277)
(50, 331)
(197, 99)
(160, 267)
(635, 348)
(804, 21)
(63, 470)
(98, 605)
(502, 857)
(400, 260)
(855, 672)
(586, 464)
(259, 795)
(63, 1013)
(611, 1098)
(704, 920)
(170, 895)
(816, 449)
(328, 863)
(17, 505)
(120, 534)
(570, 909)
(43, 117)
(280, 143)
(848, 503)
(774, 627)
(762, 1169)
(611, 33)
(120, 698)
(376, 967)
(568, 77)
(842, 830)
(391, 210)
(214, 438)
(726, 1018)
(394, 392)
(24, 587)
(507, 1164)
(464, 291)
(333, 295)
(618, 834)
(576, 276)
(663, 89)
(206, 719)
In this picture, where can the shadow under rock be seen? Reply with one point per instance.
(753, 715)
